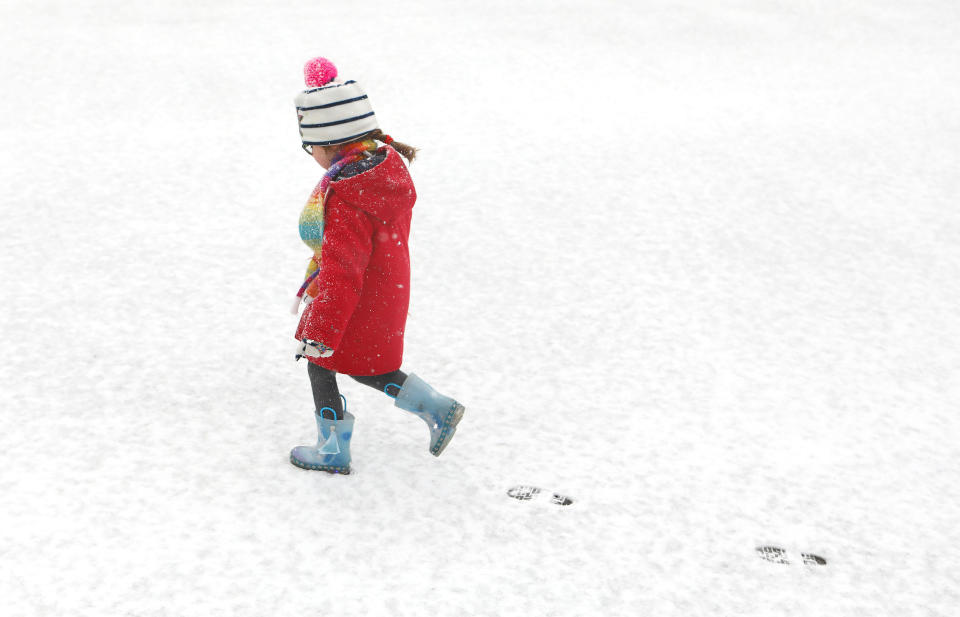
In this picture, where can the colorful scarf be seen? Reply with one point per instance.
(311, 219)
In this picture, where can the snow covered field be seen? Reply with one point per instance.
(694, 264)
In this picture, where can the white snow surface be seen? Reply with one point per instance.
(694, 264)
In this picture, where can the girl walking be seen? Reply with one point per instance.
(357, 286)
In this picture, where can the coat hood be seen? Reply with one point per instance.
(383, 191)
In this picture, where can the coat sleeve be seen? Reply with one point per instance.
(346, 249)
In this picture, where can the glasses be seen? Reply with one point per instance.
(308, 149)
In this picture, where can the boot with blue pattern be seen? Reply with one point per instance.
(441, 413)
(332, 450)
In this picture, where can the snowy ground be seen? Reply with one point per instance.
(694, 264)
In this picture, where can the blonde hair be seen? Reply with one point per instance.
(407, 152)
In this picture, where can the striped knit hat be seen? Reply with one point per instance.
(330, 111)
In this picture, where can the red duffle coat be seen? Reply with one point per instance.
(363, 287)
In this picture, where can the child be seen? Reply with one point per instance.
(357, 287)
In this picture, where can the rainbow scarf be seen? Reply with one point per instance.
(351, 153)
(311, 219)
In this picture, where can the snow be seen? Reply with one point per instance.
(695, 265)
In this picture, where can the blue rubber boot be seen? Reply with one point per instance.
(441, 413)
(332, 451)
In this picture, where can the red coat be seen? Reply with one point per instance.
(363, 288)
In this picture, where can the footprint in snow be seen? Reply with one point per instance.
(775, 554)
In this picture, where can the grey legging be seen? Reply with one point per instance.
(327, 394)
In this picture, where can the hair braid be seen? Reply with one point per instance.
(408, 152)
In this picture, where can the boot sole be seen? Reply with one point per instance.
(449, 428)
(327, 468)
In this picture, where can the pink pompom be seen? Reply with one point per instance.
(318, 72)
